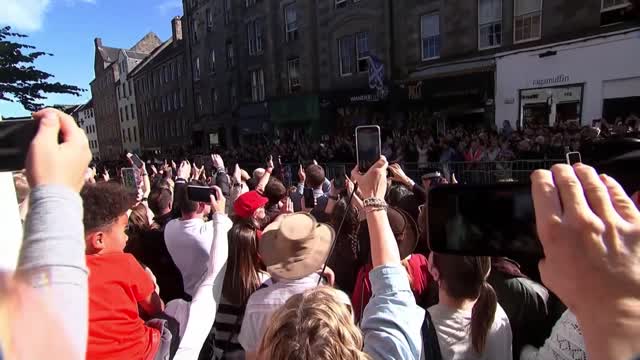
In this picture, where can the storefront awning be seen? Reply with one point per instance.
(449, 69)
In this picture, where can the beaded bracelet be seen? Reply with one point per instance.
(374, 204)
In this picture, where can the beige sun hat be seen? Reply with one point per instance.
(295, 245)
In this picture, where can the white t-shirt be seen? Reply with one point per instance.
(189, 244)
(454, 334)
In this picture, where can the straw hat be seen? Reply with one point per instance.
(295, 245)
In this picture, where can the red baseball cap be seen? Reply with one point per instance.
(248, 203)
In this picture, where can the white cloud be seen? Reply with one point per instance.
(28, 15)
(24, 15)
(168, 6)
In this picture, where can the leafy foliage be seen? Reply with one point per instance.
(20, 79)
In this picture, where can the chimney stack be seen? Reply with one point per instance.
(97, 42)
(176, 28)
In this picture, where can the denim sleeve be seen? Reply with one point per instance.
(392, 321)
(52, 257)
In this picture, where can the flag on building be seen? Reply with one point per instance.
(376, 73)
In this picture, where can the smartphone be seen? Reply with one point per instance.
(340, 178)
(15, 139)
(129, 181)
(368, 146)
(309, 200)
(573, 158)
(200, 193)
(135, 159)
(483, 220)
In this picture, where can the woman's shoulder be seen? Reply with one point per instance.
(501, 321)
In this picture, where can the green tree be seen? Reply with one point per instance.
(20, 79)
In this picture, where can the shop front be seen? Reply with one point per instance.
(577, 81)
(449, 95)
(343, 110)
(295, 114)
(252, 121)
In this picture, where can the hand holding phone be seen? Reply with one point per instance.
(135, 160)
(368, 146)
(201, 193)
(573, 157)
(309, 199)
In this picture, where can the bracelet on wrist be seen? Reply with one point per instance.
(374, 203)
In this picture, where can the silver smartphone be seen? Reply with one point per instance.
(368, 146)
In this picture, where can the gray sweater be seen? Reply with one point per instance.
(52, 258)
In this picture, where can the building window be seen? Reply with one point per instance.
(340, 3)
(164, 104)
(199, 102)
(249, 3)
(124, 137)
(196, 74)
(172, 71)
(212, 61)
(489, 23)
(214, 101)
(176, 103)
(614, 4)
(527, 19)
(179, 68)
(233, 96)
(121, 115)
(166, 74)
(135, 134)
(227, 11)
(291, 22)
(129, 134)
(345, 54)
(129, 86)
(230, 55)
(209, 19)
(293, 69)
(430, 35)
(257, 85)
(255, 37)
(183, 95)
(133, 113)
(362, 51)
(194, 29)
(124, 90)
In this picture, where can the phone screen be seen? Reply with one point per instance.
(129, 179)
(367, 146)
(136, 161)
(483, 220)
(15, 139)
(573, 158)
(340, 178)
(200, 193)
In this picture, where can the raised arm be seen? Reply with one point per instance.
(392, 321)
(204, 306)
(52, 254)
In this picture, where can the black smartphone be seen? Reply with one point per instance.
(483, 220)
(15, 139)
(200, 193)
(340, 179)
(309, 200)
(135, 159)
(368, 146)
(573, 157)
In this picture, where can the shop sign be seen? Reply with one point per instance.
(558, 79)
(364, 98)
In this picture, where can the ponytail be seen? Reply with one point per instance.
(482, 316)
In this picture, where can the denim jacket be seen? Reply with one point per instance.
(392, 321)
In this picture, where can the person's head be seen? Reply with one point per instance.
(160, 201)
(275, 191)
(258, 173)
(314, 324)
(465, 278)
(250, 206)
(193, 209)
(242, 277)
(168, 173)
(315, 176)
(105, 217)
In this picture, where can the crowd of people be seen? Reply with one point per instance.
(327, 269)
(419, 144)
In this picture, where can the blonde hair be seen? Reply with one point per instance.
(313, 325)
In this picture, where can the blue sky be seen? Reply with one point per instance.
(67, 28)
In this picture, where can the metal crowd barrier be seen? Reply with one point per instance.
(485, 172)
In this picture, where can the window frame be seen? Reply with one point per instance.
(290, 83)
(212, 61)
(439, 37)
(214, 100)
(529, 14)
(256, 76)
(492, 23)
(209, 17)
(615, 7)
(349, 51)
(230, 53)
(196, 73)
(290, 34)
(366, 53)
(227, 11)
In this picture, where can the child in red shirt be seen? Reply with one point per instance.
(118, 284)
